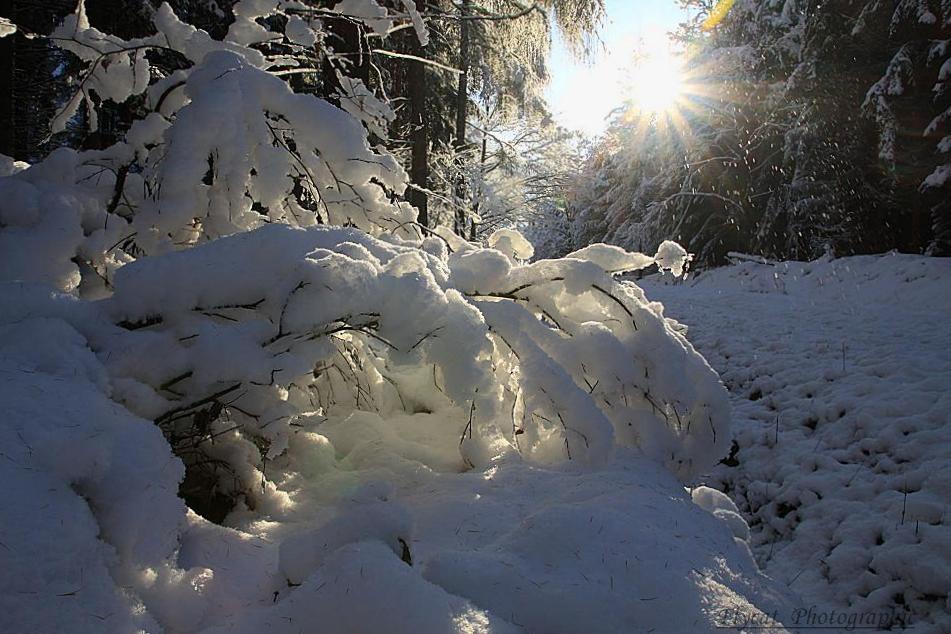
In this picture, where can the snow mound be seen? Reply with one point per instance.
(607, 551)
(355, 510)
(90, 496)
(887, 278)
(511, 243)
(338, 595)
(672, 257)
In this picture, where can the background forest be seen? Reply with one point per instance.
(807, 127)
(461, 106)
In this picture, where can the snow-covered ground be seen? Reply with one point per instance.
(375, 542)
(840, 378)
(365, 522)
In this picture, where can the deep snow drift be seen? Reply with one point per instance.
(368, 486)
(840, 378)
(94, 538)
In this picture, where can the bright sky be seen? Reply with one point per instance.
(583, 96)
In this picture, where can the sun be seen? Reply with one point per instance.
(657, 83)
(643, 82)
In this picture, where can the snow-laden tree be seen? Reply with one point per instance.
(777, 147)
(481, 56)
(520, 177)
(243, 270)
(911, 105)
(225, 147)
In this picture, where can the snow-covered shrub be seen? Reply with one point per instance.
(232, 346)
(225, 147)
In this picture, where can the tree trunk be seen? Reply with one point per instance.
(462, 107)
(475, 225)
(345, 38)
(419, 129)
(7, 64)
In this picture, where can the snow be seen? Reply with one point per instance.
(7, 28)
(355, 509)
(419, 24)
(368, 574)
(722, 507)
(511, 243)
(86, 486)
(369, 12)
(35, 250)
(611, 258)
(938, 177)
(364, 106)
(483, 470)
(8, 166)
(839, 376)
(672, 257)
(299, 32)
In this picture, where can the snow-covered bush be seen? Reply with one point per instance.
(225, 147)
(233, 345)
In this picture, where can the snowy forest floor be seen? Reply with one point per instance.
(839, 372)
(840, 378)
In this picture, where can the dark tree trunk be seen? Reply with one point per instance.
(7, 65)
(30, 93)
(462, 112)
(419, 129)
(345, 38)
(485, 146)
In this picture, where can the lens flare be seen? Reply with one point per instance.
(718, 14)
